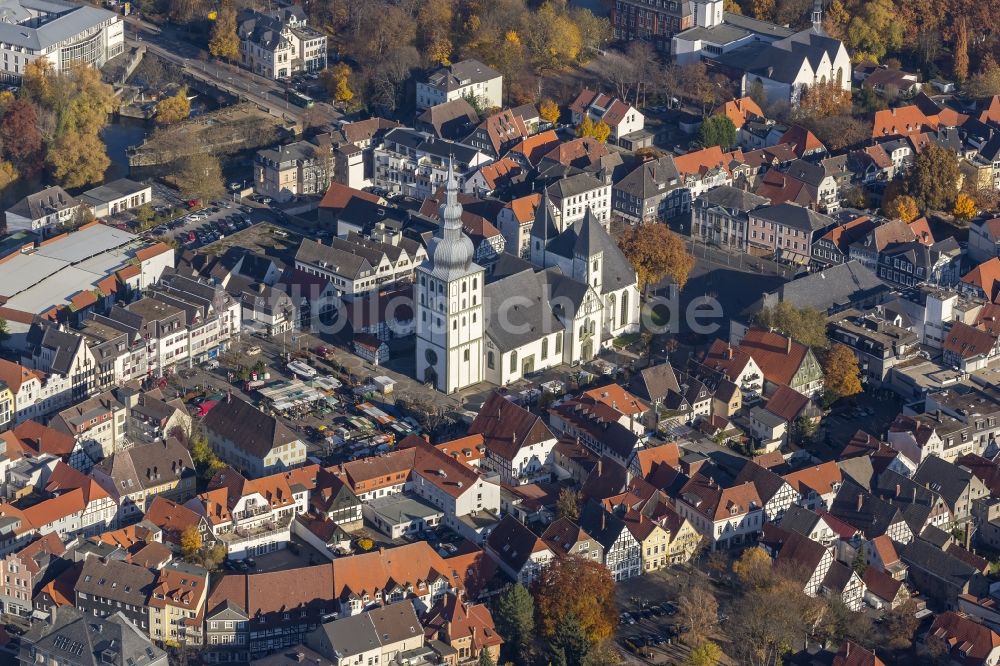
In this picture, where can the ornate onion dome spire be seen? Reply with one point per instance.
(454, 249)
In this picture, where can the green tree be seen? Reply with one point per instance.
(718, 130)
(875, 29)
(571, 638)
(805, 325)
(145, 215)
(4, 332)
(515, 621)
(706, 654)
(858, 564)
(934, 177)
(485, 659)
(224, 42)
(986, 83)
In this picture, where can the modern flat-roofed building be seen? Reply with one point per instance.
(63, 33)
(117, 196)
(80, 268)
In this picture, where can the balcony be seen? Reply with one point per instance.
(244, 535)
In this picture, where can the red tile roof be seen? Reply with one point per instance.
(805, 142)
(739, 110)
(968, 641)
(851, 654)
(902, 121)
(778, 356)
(338, 196)
(881, 584)
(968, 342)
(821, 478)
(787, 403)
(524, 207)
(534, 148)
(985, 276)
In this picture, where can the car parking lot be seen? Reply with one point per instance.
(208, 225)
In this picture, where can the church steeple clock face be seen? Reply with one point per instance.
(431, 356)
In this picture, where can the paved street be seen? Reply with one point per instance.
(171, 44)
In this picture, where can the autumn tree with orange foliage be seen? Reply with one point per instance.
(902, 207)
(548, 111)
(579, 588)
(841, 375)
(656, 252)
(753, 568)
(965, 207)
(824, 99)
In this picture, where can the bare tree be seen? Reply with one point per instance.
(699, 612)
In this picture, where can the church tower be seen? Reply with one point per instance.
(588, 254)
(448, 297)
(543, 229)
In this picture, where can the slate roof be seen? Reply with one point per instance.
(247, 427)
(869, 514)
(340, 261)
(91, 641)
(507, 428)
(654, 382)
(650, 178)
(923, 555)
(530, 320)
(514, 543)
(732, 199)
(945, 478)
(460, 74)
(48, 201)
(796, 217)
(587, 235)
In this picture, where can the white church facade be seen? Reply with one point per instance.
(782, 62)
(572, 299)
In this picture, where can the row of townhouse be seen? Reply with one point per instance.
(356, 265)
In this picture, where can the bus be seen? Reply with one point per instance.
(299, 99)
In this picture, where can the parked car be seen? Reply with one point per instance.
(253, 351)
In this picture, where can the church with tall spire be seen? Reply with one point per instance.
(448, 301)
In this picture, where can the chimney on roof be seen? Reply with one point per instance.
(598, 466)
(861, 501)
(729, 353)
(898, 489)
(604, 520)
(788, 345)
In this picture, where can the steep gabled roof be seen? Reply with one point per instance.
(507, 428)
